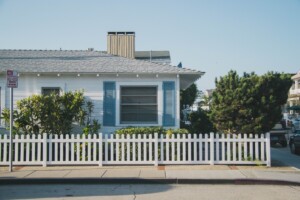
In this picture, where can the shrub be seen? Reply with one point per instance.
(53, 114)
(150, 131)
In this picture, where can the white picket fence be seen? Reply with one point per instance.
(136, 149)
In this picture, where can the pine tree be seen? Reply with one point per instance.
(250, 103)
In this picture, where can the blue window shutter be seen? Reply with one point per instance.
(169, 102)
(109, 104)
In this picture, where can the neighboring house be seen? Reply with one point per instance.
(294, 93)
(125, 91)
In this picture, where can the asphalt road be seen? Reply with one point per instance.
(145, 192)
(283, 157)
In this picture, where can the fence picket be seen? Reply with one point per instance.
(94, 147)
(123, 148)
(200, 148)
(234, 148)
(184, 151)
(246, 142)
(189, 148)
(251, 147)
(167, 148)
(21, 148)
(27, 147)
(240, 147)
(39, 150)
(178, 147)
(195, 148)
(16, 142)
(106, 148)
(262, 147)
(100, 150)
(256, 147)
(128, 147)
(145, 147)
(50, 149)
(217, 147)
(89, 149)
(228, 143)
(223, 148)
(162, 149)
(5, 152)
(133, 148)
(33, 144)
(206, 147)
(173, 147)
(150, 148)
(139, 148)
(67, 158)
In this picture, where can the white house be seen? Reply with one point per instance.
(125, 91)
(294, 92)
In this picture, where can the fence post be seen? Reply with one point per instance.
(155, 149)
(268, 147)
(100, 150)
(45, 150)
(212, 148)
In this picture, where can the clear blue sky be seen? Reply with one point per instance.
(212, 36)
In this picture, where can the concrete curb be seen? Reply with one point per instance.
(28, 181)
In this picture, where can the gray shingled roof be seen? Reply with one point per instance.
(57, 61)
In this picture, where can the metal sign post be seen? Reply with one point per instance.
(12, 82)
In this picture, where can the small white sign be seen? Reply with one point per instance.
(12, 78)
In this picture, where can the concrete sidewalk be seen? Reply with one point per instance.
(189, 174)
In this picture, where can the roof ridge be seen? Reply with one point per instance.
(63, 50)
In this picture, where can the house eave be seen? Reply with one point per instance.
(186, 79)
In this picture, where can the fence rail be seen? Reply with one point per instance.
(136, 149)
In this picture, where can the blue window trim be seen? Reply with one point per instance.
(169, 118)
(109, 103)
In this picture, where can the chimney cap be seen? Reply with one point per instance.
(120, 33)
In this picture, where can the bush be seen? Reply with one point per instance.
(53, 114)
(150, 131)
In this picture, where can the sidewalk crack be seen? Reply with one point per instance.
(103, 173)
(67, 173)
(29, 174)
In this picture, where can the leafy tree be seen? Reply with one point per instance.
(188, 96)
(53, 114)
(250, 103)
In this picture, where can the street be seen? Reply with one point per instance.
(283, 157)
(139, 192)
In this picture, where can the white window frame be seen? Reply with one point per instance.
(157, 84)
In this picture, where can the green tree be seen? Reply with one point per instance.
(200, 122)
(250, 103)
(188, 96)
(53, 114)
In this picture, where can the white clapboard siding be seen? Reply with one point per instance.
(144, 149)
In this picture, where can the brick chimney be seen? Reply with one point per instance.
(121, 44)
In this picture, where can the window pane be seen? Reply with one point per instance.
(139, 99)
(48, 91)
(139, 114)
(138, 91)
(138, 105)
